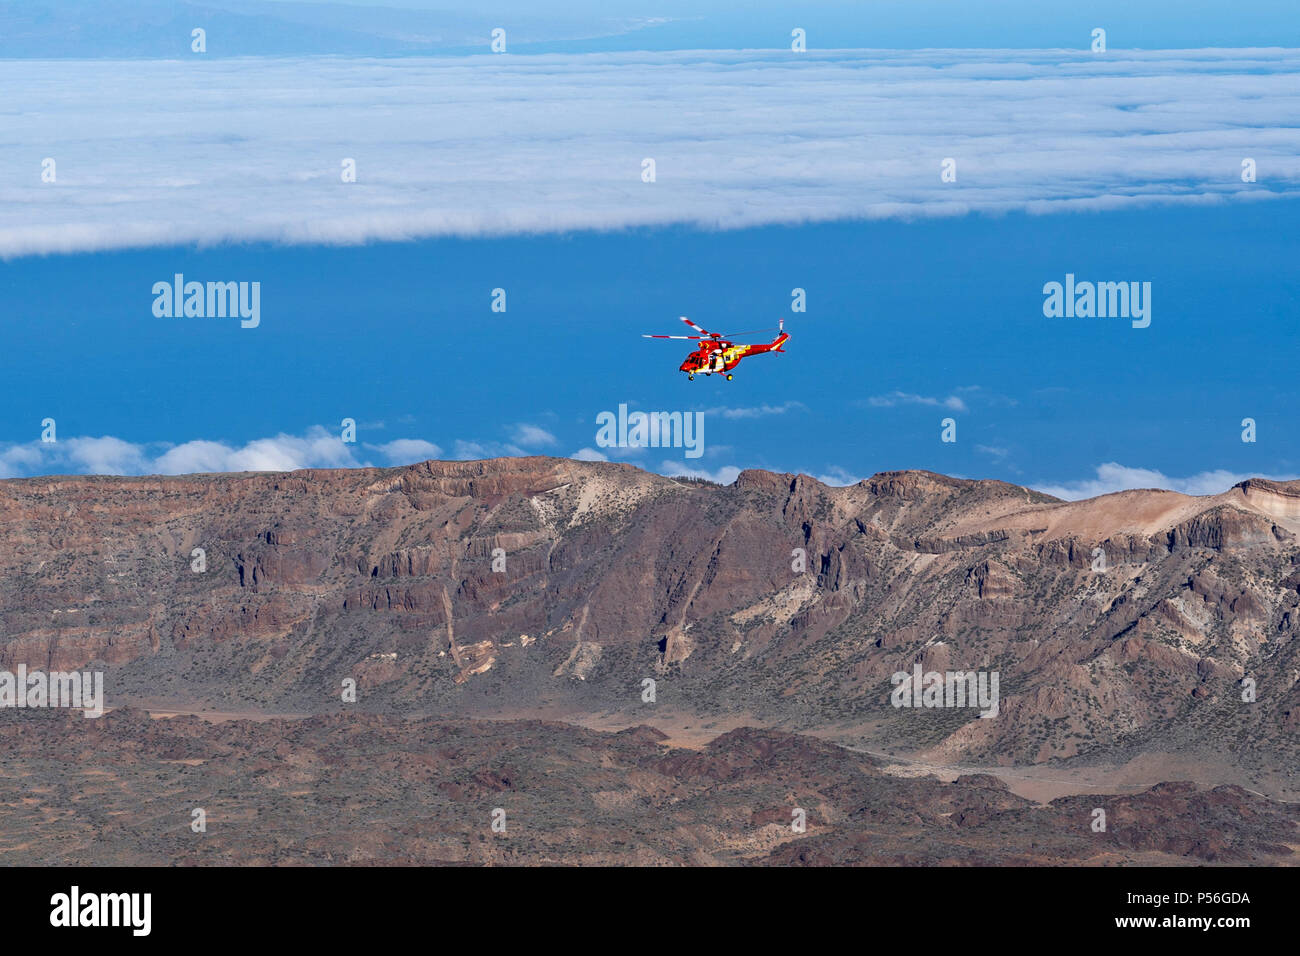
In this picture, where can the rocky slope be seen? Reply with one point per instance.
(364, 789)
(1118, 625)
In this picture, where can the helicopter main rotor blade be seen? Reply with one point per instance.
(691, 337)
(697, 328)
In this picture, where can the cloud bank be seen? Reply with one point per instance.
(194, 150)
(1112, 477)
(896, 398)
(319, 447)
(316, 448)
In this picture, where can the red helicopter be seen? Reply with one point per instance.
(717, 354)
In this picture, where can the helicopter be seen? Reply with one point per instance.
(717, 353)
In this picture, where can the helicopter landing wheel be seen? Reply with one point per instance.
(690, 378)
(728, 378)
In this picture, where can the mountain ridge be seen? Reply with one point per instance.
(1120, 624)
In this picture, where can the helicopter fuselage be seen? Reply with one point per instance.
(720, 355)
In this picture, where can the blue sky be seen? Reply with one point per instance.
(907, 323)
(90, 28)
(775, 171)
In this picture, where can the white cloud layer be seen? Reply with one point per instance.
(838, 477)
(532, 436)
(1112, 477)
(755, 411)
(895, 398)
(318, 448)
(403, 451)
(155, 152)
(722, 476)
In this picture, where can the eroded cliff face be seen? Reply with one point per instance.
(1124, 621)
